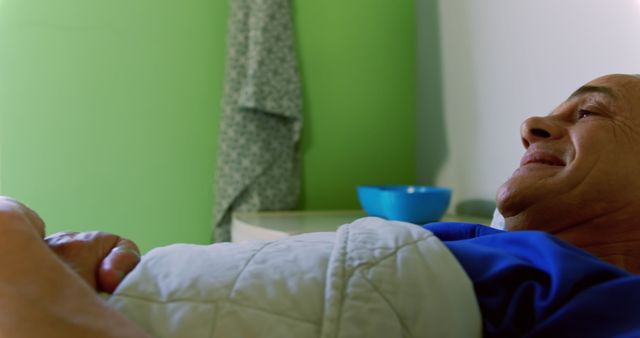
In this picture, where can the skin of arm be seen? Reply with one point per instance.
(40, 295)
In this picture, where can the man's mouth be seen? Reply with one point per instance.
(540, 157)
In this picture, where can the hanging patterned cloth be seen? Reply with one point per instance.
(258, 165)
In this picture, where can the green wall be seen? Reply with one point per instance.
(359, 73)
(108, 109)
(108, 113)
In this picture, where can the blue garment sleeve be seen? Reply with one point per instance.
(531, 284)
(452, 231)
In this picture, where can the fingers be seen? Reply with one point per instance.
(122, 258)
(101, 259)
(82, 251)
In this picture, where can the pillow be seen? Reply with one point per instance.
(497, 221)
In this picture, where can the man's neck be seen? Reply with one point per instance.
(612, 238)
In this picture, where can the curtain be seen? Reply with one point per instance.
(258, 166)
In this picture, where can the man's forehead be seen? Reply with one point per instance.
(619, 90)
(614, 86)
(594, 89)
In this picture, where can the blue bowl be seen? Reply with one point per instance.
(407, 203)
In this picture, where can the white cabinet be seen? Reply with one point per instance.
(268, 225)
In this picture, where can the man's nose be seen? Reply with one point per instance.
(537, 128)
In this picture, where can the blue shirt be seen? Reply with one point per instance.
(531, 284)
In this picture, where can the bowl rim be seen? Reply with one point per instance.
(401, 187)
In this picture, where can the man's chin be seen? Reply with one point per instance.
(522, 190)
(513, 210)
(507, 200)
(522, 211)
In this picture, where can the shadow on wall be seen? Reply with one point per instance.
(476, 207)
(306, 137)
(432, 149)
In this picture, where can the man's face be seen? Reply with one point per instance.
(582, 161)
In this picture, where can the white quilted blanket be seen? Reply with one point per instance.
(371, 278)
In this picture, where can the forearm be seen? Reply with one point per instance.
(41, 297)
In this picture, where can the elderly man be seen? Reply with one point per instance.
(577, 180)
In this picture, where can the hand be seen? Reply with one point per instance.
(16, 214)
(100, 258)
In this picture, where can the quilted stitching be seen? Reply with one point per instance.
(362, 295)
(235, 281)
(335, 284)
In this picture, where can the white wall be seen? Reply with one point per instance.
(500, 62)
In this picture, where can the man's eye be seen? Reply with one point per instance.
(582, 113)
